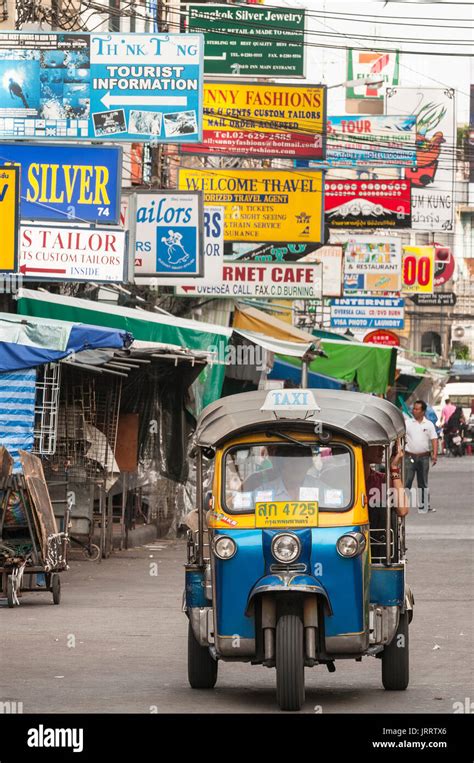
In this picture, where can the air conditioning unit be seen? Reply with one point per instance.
(458, 332)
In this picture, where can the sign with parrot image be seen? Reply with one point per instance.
(432, 178)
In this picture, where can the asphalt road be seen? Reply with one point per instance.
(117, 642)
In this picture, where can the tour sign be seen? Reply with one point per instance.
(67, 183)
(255, 41)
(78, 86)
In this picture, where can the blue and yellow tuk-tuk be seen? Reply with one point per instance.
(283, 568)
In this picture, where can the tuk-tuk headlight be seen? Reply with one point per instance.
(286, 548)
(351, 544)
(224, 547)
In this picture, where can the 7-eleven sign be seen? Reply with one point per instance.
(363, 64)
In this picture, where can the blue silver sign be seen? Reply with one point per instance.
(67, 183)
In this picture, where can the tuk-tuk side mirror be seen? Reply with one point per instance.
(207, 501)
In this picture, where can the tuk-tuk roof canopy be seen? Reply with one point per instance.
(366, 419)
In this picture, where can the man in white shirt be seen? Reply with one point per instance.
(421, 441)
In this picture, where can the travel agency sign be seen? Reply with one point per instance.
(141, 87)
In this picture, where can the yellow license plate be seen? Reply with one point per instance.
(286, 514)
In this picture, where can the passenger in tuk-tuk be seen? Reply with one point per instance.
(375, 482)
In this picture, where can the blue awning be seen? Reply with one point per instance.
(283, 371)
(29, 342)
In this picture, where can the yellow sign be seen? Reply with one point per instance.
(418, 267)
(286, 514)
(9, 213)
(263, 205)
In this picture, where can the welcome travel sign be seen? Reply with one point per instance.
(124, 87)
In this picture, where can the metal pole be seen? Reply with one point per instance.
(200, 507)
(388, 508)
(304, 374)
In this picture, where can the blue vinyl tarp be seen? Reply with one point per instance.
(29, 342)
(282, 370)
(17, 412)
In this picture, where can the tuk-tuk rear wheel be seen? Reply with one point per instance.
(202, 668)
(290, 662)
(395, 658)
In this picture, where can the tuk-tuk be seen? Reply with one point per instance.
(283, 568)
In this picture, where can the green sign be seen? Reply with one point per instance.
(258, 41)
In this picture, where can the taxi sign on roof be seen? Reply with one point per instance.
(290, 400)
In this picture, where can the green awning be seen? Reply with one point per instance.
(146, 326)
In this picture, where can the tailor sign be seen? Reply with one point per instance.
(78, 86)
(9, 218)
(73, 254)
(367, 312)
(67, 183)
(168, 234)
(248, 119)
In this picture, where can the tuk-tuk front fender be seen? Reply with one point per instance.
(287, 583)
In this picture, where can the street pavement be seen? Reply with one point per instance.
(117, 643)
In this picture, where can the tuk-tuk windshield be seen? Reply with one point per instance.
(287, 472)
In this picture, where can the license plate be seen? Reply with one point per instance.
(286, 514)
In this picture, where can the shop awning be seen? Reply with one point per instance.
(251, 319)
(30, 342)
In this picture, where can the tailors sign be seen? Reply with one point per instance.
(248, 119)
(263, 205)
(9, 218)
(168, 234)
(67, 183)
(73, 254)
(80, 86)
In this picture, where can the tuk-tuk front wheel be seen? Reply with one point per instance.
(395, 658)
(289, 662)
(202, 668)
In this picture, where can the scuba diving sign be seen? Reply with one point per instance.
(169, 234)
(9, 213)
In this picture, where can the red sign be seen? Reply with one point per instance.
(444, 264)
(382, 336)
(367, 204)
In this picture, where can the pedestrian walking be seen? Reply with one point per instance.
(421, 443)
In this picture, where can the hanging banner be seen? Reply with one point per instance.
(67, 183)
(438, 299)
(247, 119)
(273, 252)
(418, 269)
(168, 234)
(132, 87)
(264, 280)
(363, 64)
(367, 312)
(73, 254)
(371, 141)
(9, 218)
(257, 42)
(366, 204)
(263, 205)
(372, 263)
(432, 178)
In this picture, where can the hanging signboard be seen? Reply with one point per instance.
(438, 299)
(248, 119)
(264, 280)
(444, 264)
(67, 183)
(73, 254)
(331, 258)
(384, 337)
(260, 42)
(273, 252)
(168, 234)
(367, 312)
(371, 141)
(142, 87)
(366, 204)
(9, 218)
(263, 205)
(372, 263)
(418, 268)
(432, 178)
(363, 64)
